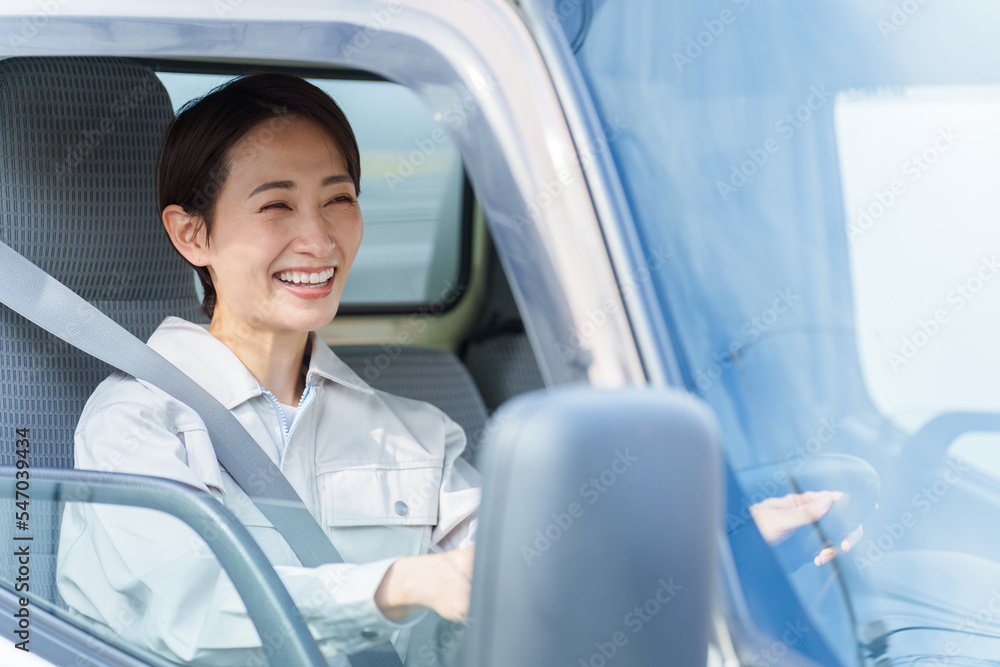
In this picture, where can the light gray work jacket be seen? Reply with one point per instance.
(380, 473)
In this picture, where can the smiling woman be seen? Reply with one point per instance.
(276, 252)
(258, 188)
(235, 136)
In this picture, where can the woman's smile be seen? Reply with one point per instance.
(308, 283)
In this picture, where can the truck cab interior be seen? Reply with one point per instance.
(432, 317)
(825, 290)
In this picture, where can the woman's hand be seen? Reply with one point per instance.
(828, 554)
(441, 582)
(778, 518)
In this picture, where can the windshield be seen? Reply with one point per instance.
(825, 174)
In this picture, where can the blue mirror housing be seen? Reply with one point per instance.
(598, 530)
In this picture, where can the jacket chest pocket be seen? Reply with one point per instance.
(374, 513)
(381, 496)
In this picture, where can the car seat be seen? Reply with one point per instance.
(78, 144)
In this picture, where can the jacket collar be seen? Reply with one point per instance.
(207, 361)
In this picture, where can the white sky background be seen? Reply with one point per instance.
(908, 264)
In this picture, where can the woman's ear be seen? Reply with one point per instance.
(187, 233)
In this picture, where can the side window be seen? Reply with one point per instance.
(918, 166)
(412, 191)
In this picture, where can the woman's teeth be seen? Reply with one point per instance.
(318, 279)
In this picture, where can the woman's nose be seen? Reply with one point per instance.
(313, 235)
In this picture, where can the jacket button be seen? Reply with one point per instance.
(401, 508)
(368, 633)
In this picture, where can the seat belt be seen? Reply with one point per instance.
(40, 298)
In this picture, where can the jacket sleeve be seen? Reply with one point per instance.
(460, 493)
(152, 580)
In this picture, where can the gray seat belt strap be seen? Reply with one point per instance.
(40, 298)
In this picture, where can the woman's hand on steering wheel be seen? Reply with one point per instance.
(778, 518)
(441, 582)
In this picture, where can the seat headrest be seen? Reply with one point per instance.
(78, 143)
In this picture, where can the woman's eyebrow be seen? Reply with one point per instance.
(271, 185)
(290, 185)
(337, 178)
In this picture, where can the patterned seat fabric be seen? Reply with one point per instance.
(503, 366)
(78, 143)
(499, 354)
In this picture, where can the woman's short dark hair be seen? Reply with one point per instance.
(193, 162)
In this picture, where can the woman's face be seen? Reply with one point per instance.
(285, 231)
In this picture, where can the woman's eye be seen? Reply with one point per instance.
(342, 199)
(279, 204)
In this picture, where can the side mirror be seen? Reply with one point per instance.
(597, 534)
